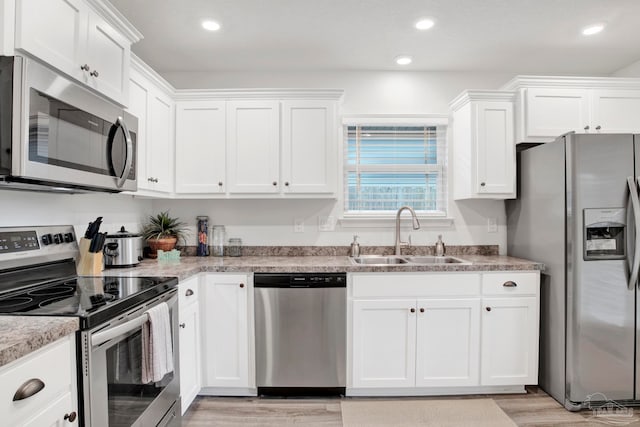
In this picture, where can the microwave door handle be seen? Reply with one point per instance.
(129, 156)
(634, 265)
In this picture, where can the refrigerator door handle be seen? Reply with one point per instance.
(635, 204)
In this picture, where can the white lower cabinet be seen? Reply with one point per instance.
(56, 403)
(434, 333)
(226, 308)
(189, 315)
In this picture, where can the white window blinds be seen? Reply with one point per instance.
(388, 166)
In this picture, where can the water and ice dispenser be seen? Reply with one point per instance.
(604, 233)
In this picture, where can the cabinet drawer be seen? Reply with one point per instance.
(188, 291)
(415, 284)
(498, 283)
(52, 365)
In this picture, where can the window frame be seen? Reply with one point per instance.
(372, 217)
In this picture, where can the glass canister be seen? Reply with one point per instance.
(202, 249)
(235, 247)
(217, 242)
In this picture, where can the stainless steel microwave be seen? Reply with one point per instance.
(56, 135)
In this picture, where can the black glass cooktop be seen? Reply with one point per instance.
(93, 299)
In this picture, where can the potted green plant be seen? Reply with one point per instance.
(162, 232)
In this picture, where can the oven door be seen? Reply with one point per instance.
(113, 391)
(68, 135)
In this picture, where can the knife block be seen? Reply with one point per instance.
(89, 264)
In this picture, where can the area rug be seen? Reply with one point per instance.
(432, 413)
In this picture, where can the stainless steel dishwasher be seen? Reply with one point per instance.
(300, 324)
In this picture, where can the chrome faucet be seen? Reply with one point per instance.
(416, 225)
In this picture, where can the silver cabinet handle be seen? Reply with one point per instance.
(220, 183)
(28, 389)
(94, 73)
(488, 308)
(509, 284)
(275, 183)
(188, 293)
(482, 184)
(586, 127)
(71, 416)
(598, 127)
(182, 325)
(85, 67)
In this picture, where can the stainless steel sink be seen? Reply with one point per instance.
(426, 259)
(379, 260)
(415, 260)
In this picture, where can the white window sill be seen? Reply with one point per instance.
(388, 220)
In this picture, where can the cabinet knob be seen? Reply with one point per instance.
(413, 310)
(189, 292)
(586, 127)
(598, 127)
(286, 184)
(71, 417)
(482, 184)
(94, 73)
(509, 284)
(242, 285)
(85, 67)
(488, 308)
(220, 183)
(275, 183)
(422, 310)
(182, 325)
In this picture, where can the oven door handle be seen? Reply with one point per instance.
(104, 336)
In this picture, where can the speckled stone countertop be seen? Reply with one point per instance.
(189, 266)
(20, 335)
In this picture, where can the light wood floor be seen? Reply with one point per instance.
(534, 409)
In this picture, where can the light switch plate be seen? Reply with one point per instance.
(298, 225)
(326, 223)
(492, 225)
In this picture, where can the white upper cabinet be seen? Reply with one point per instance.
(253, 144)
(547, 107)
(309, 146)
(484, 159)
(72, 37)
(200, 147)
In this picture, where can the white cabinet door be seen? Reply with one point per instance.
(253, 146)
(189, 353)
(448, 342)
(309, 137)
(54, 31)
(495, 155)
(108, 53)
(225, 331)
(509, 341)
(139, 107)
(54, 415)
(550, 112)
(160, 142)
(384, 343)
(615, 111)
(200, 147)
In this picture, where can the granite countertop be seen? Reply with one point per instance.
(20, 335)
(189, 266)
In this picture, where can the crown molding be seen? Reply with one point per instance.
(520, 82)
(481, 95)
(223, 94)
(117, 19)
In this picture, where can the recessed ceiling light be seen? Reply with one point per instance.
(210, 25)
(425, 24)
(403, 60)
(592, 29)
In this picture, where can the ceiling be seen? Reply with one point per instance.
(519, 36)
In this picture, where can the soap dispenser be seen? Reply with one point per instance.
(440, 246)
(355, 247)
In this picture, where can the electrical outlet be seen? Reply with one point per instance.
(326, 223)
(492, 225)
(298, 225)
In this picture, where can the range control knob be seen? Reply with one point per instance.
(57, 238)
(68, 237)
(47, 239)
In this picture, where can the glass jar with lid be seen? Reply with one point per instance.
(217, 240)
(234, 248)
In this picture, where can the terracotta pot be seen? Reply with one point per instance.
(165, 244)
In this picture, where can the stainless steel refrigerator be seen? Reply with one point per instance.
(577, 211)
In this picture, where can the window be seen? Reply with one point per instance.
(389, 166)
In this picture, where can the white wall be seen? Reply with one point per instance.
(270, 222)
(24, 208)
(631, 70)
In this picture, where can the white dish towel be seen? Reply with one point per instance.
(157, 348)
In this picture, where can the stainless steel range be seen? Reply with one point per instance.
(38, 278)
